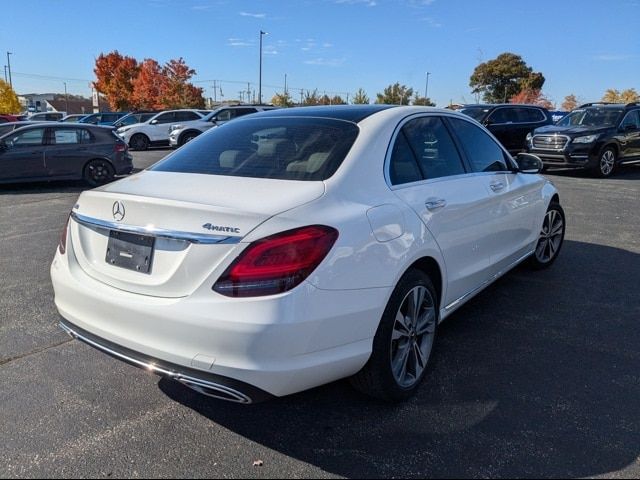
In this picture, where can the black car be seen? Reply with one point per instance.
(595, 136)
(509, 122)
(63, 152)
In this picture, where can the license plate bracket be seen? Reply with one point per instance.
(130, 251)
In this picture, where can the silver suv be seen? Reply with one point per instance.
(181, 134)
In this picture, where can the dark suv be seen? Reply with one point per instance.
(595, 136)
(509, 122)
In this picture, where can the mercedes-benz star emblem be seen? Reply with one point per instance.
(118, 211)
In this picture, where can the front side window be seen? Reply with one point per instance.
(308, 149)
(433, 147)
(26, 139)
(484, 154)
(504, 115)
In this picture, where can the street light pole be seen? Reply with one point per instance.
(9, 68)
(5, 74)
(426, 88)
(260, 76)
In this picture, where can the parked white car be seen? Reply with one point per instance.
(184, 132)
(155, 131)
(296, 247)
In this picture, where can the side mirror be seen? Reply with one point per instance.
(528, 163)
(153, 122)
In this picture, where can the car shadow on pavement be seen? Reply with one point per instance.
(538, 376)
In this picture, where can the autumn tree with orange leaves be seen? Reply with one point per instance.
(129, 85)
(533, 97)
(115, 75)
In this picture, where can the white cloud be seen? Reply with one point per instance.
(615, 57)
(366, 3)
(326, 62)
(253, 15)
(238, 42)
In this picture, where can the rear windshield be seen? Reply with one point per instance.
(280, 148)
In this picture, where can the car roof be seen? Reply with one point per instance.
(351, 113)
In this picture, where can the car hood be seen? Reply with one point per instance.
(572, 131)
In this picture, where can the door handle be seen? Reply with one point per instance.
(496, 187)
(435, 203)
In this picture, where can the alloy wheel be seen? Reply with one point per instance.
(413, 336)
(551, 236)
(607, 162)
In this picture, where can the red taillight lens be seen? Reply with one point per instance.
(120, 147)
(277, 263)
(62, 244)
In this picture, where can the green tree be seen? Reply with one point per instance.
(8, 99)
(570, 103)
(395, 94)
(361, 98)
(504, 77)
(282, 100)
(424, 101)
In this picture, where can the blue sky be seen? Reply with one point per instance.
(337, 46)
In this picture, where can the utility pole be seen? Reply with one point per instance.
(301, 96)
(248, 92)
(215, 92)
(6, 79)
(9, 68)
(285, 84)
(260, 74)
(66, 98)
(426, 88)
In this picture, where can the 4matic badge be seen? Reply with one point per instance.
(218, 228)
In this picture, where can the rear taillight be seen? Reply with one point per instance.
(62, 244)
(277, 263)
(120, 147)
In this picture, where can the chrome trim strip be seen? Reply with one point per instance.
(466, 296)
(201, 386)
(199, 238)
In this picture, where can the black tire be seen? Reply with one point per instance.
(377, 378)
(551, 238)
(139, 142)
(607, 162)
(187, 138)
(98, 172)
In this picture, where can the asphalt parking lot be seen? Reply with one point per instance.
(539, 376)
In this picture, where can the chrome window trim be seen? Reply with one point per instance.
(198, 238)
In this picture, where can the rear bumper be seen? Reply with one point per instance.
(204, 382)
(279, 345)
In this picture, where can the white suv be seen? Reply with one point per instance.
(155, 131)
(183, 132)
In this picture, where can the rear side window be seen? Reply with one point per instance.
(68, 136)
(186, 116)
(504, 115)
(309, 149)
(531, 115)
(484, 154)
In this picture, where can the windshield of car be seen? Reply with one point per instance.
(477, 113)
(308, 149)
(592, 117)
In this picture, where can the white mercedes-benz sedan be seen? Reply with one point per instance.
(295, 247)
